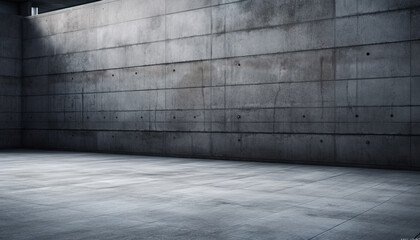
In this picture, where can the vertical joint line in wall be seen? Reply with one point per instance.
(357, 65)
(64, 108)
(83, 106)
(210, 114)
(48, 100)
(165, 90)
(225, 66)
(411, 79)
(335, 23)
(21, 82)
(49, 96)
(335, 82)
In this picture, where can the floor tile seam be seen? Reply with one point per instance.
(279, 191)
(350, 219)
(331, 177)
(364, 189)
(286, 209)
(293, 206)
(345, 221)
(214, 184)
(344, 197)
(254, 190)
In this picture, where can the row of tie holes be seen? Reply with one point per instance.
(367, 54)
(240, 140)
(239, 116)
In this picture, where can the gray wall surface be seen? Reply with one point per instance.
(10, 80)
(303, 81)
(9, 8)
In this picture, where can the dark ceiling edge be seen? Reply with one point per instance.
(100, 2)
(19, 4)
(45, 7)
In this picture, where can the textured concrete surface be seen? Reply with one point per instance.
(10, 80)
(63, 195)
(331, 81)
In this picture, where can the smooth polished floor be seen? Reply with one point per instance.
(66, 195)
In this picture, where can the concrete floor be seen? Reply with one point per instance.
(64, 195)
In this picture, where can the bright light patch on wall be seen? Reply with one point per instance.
(34, 11)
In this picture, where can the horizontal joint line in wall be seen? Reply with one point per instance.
(178, 38)
(210, 86)
(197, 120)
(10, 76)
(221, 58)
(11, 58)
(213, 6)
(223, 109)
(9, 37)
(5, 77)
(200, 35)
(223, 132)
(236, 123)
(116, 23)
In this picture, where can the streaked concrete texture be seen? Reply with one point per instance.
(314, 81)
(71, 195)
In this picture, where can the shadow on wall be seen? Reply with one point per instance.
(10, 81)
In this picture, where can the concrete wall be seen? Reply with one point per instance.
(10, 80)
(308, 81)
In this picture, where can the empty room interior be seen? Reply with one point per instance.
(210, 119)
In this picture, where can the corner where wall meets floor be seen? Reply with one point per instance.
(320, 82)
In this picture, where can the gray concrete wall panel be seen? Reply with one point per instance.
(331, 81)
(10, 80)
